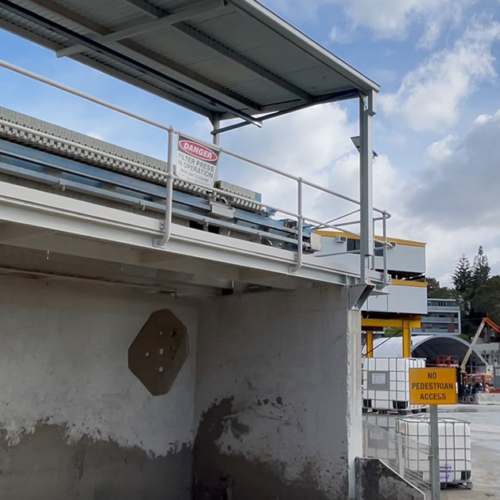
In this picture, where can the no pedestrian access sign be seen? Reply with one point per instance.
(433, 386)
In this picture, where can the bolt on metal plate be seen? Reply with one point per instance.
(158, 352)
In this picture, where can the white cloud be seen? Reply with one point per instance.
(454, 206)
(461, 187)
(309, 144)
(316, 145)
(441, 150)
(387, 19)
(341, 35)
(393, 18)
(430, 96)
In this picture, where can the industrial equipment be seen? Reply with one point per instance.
(447, 361)
(486, 322)
(34, 151)
(455, 456)
(386, 384)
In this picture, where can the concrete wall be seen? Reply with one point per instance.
(260, 409)
(275, 412)
(74, 421)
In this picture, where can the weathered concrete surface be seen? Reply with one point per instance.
(265, 393)
(74, 421)
(276, 416)
(377, 481)
(43, 465)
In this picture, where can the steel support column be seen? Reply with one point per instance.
(369, 344)
(215, 127)
(366, 112)
(406, 339)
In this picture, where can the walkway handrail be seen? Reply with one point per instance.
(171, 176)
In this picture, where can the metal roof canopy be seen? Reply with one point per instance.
(220, 58)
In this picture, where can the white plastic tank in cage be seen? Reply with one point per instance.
(455, 461)
(386, 384)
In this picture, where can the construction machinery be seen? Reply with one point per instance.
(472, 383)
(485, 322)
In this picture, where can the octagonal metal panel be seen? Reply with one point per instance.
(158, 352)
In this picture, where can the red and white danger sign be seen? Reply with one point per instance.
(196, 162)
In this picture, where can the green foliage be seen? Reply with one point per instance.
(436, 291)
(393, 332)
(463, 276)
(487, 299)
(473, 288)
(480, 270)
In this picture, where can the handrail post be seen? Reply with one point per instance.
(167, 223)
(384, 236)
(367, 219)
(300, 229)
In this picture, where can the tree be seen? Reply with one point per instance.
(393, 332)
(436, 291)
(480, 270)
(487, 299)
(433, 287)
(462, 277)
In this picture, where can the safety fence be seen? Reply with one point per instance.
(172, 175)
(410, 459)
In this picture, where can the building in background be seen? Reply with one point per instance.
(443, 317)
(401, 304)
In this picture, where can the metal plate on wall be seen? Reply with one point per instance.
(158, 352)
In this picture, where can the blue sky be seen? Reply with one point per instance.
(437, 130)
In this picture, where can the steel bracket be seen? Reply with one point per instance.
(358, 294)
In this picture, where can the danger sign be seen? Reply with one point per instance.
(196, 162)
(433, 386)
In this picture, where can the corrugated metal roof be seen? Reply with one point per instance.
(225, 57)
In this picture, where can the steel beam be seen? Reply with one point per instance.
(133, 50)
(413, 322)
(122, 59)
(12, 234)
(369, 344)
(242, 61)
(226, 51)
(367, 110)
(146, 7)
(109, 39)
(406, 339)
(336, 97)
(215, 127)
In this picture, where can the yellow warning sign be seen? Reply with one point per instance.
(433, 386)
